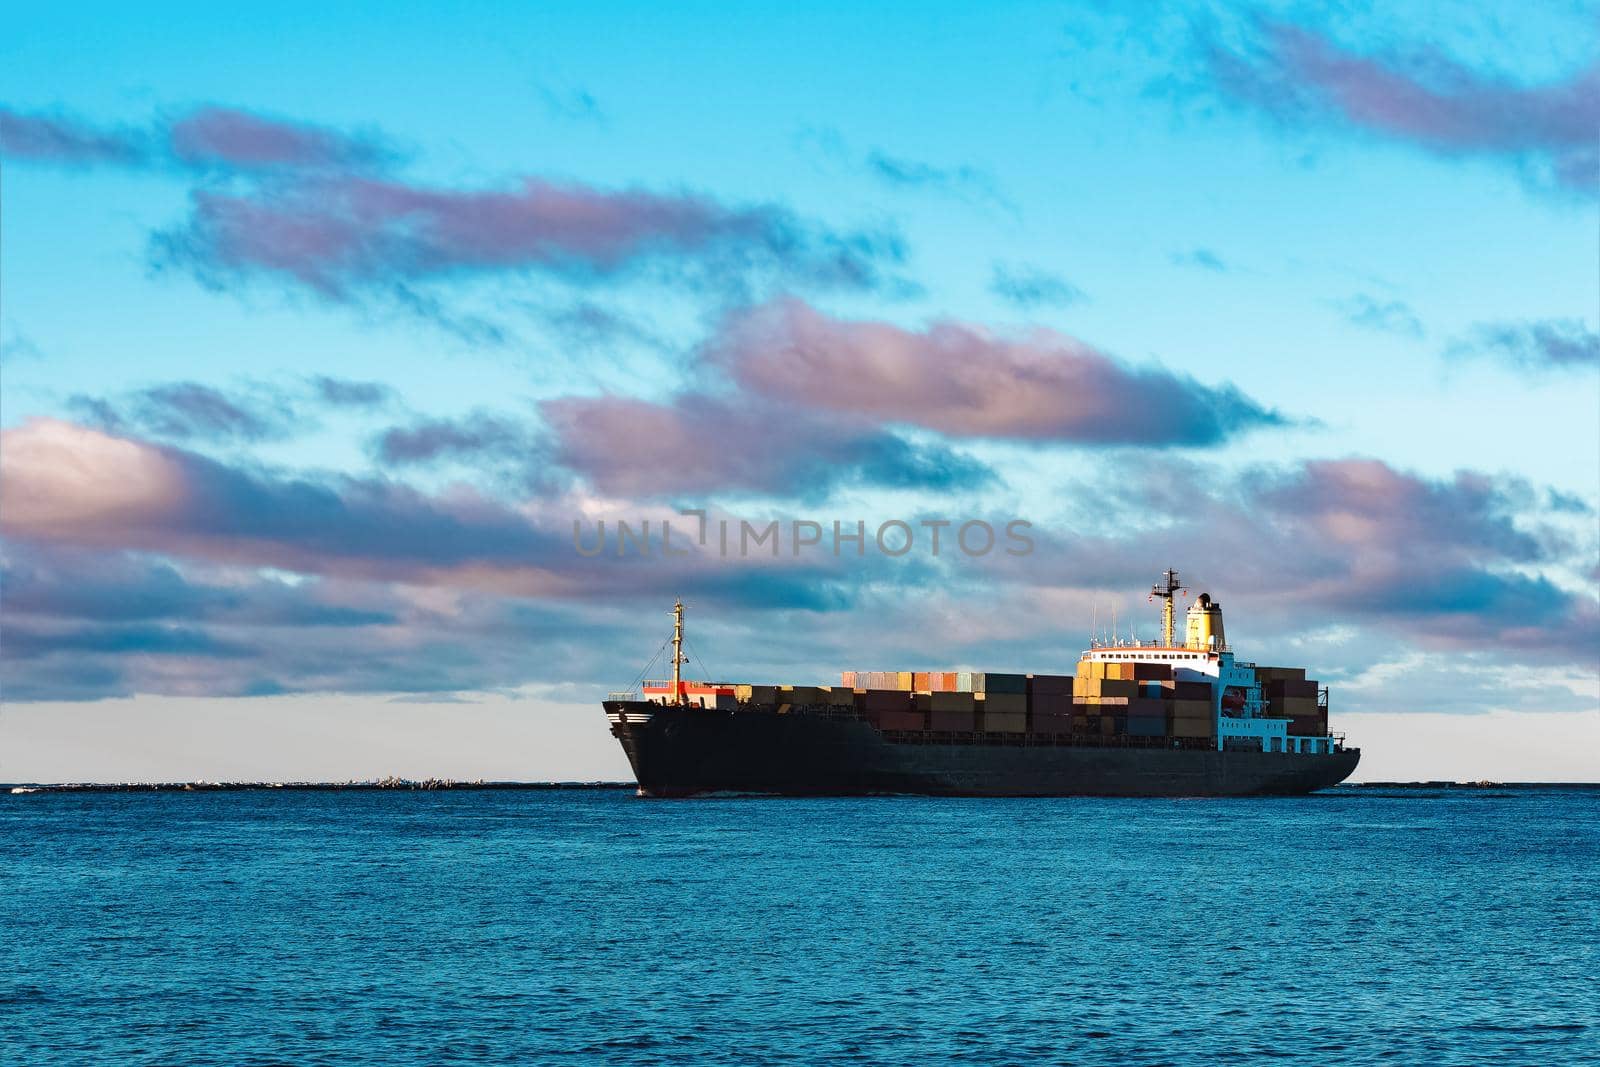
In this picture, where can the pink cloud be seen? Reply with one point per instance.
(1467, 563)
(339, 235)
(62, 139)
(215, 138)
(69, 487)
(132, 567)
(230, 137)
(699, 444)
(58, 478)
(1421, 97)
(969, 381)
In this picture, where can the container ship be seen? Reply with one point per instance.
(1170, 719)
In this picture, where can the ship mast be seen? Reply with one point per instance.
(1164, 591)
(678, 658)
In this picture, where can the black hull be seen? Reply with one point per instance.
(687, 751)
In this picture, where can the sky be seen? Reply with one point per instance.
(329, 336)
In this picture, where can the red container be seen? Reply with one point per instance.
(1051, 704)
(1308, 726)
(1152, 672)
(902, 720)
(958, 721)
(1050, 685)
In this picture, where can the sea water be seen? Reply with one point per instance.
(1361, 925)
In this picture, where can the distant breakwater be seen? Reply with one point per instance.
(352, 786)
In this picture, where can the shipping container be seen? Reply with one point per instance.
(840, 696)
(883, 699)
(901, 720)
(847, 679)
(1294, 707)
(1003, 722)
(1004, 702)
(1147, 706)
(904, 680)
(1005, 683)
(952, 702)
(1192, 728)
(1315, 725)
(1051, 723)
(1275, 674)
(1050, 685)
(921, 682)
(1152, 672)
(955, 721)
(1100, 701)
(1107, 687)
(1289, 687)
(1147, 725)
(1050, 704)
(964, 682)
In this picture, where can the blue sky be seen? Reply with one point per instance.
(624, 260)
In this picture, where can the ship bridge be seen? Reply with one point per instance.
(1243, 712)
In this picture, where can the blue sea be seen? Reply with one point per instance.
(1362, 925)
